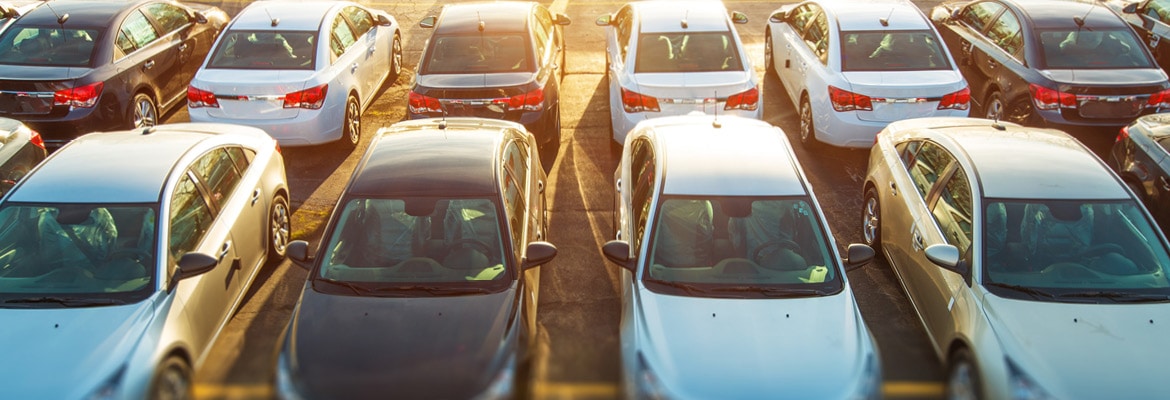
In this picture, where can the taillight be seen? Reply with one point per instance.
(531, 101)
(1159, 100)
(1049, 99)
(81, 96)
(844, 100)
(420, 104)
(636, 102)
(197, 98)
(746, 100)
(959, 100)
(1123, 134)
(36, 139)
(311, 98)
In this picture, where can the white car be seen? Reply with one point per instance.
(854, 66)
(302, 71)
(1033, 268)
(668, 58)
(732, 287)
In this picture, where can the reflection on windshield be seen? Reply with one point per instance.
(76, 248)
(1066, 247)
(751, 244)
(687, 52)
(265, 50)
(892, 51)
(478, 53)
(395, 241)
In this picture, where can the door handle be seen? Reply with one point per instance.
(916, 240)
(371, 49)
(183, 47)
(223, 251)
(1165, 183)
(255, 196)
(148, 65)
(991, 64)
(893, 189)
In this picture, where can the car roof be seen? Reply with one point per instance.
(419, 158)
(292, 15)
(119, 167)
(867, 15)
(1157, 126)
(87, 13)
(501, 16)
(1060, 13)
(667, 16)
(723, 156)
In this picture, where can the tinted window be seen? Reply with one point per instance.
(816, 37)
(624, 25)
(1159, 10)
(342, 37)
(515, 188)
(190, 218)
(543, 29)
(1005, 33)
(892, 51)
(360, 18)
(169, 17)
(265, 50)
(801, 16)
(463, 54)
(218, 172)
(979, 14)
(1085, 48)
(929, 163)
(48, 46)
(139, 30)
(687, 52)
(644, 177)
(953, 211)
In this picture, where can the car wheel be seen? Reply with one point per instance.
(351, 129)
(962, 377)
(808, 136)
(994, 105)
(769, 63)
(395, 58)
(172, 380)
(871, 219)
(143, 112)
(279, 228)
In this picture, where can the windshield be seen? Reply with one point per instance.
(1089, 49)
(687, 52)
(48, 46)
(265, 50)
(92, 251)
(740, 247)
(479, 53)
(892, 51)
(389, 242)
(1069, 247)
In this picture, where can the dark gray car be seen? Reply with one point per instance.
(1140, 157)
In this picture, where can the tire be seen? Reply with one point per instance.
(351, 126)
(279, 228)
(172, 380)
(143, 112)
(769, 62)
(808, 131)
(963, 381)
(395, 59)
(871, 223)
(997, 108)
(994, 106)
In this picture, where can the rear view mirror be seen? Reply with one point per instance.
(298, 252)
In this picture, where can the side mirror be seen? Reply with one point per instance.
(778, 17)
(298, 252)
(191, 265)
(537, 253)
(858, 254)
(428, 22)
(561, 19)
(1130, 8)
(618, 252)
(943, 255)
(739, 18)
(383, 20)
(604, 20)
(199, 17)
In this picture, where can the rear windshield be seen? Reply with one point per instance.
(1091, 49)
(478, 53)
(265, 50)
(892, 51)
(58, 47)
(687, 52)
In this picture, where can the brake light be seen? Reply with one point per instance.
(844, 100)
(959, 100)
(36, 139)
(531, 101)
(636, 102)
(81, 96)
(1159, 100)
(1049, 99)
(746, 100)
(420, 104)
(1123, 134)
(197, 98)
(311, 98)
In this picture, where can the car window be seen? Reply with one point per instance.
(1159, 10)
(342, 37)
(28, 45)
(543, 30)
(801, 16)
(219, 173)
(687, 52)
(953, 211)
(892, 51)
(643, 176)
(244, 49)
(907, 150)
(514, 179)
(1006, 34)
(1165, 144)
(977, 15)
(929, 163)
(624, 27)
(138, 30)
(476, 53)
(816, 36)
(169, 17)
(360, 18)
(191, 217)
(1088, 49)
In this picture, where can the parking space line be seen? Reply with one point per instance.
(904, 389)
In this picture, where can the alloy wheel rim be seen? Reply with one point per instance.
(397, 56)
(995, 109)
(280, 227)
(353, 121)
(173, 385)
(805, 121)
(144, 114)
(961, 386)
(871, 221)
(768, 51)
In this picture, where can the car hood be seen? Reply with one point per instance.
(903, 84)
(1092, 351)
(693, 84)
(739, 348)
(433, 347)
(1107, 77)
(63, 353)
(474, 81)
(251, 82)
(41, 73)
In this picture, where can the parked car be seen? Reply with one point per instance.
(426, 283)
(500, 59)
(1151, 19)
(303, 71)
(95, 65)
(1034, 271)
(1052, 62)
(21, 149)
(853, 67)
(732, 286)
(119, 272)
(665, 58)
(12, 9)
(1140, 156)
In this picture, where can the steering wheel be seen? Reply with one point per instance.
(474, 243)
(1102, 249)
(778, 243)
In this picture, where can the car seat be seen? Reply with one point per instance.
(768, 236)
(685, 234)
(470, 224)
(1057, 233)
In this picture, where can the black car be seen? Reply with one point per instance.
(502, 60)
(426, 283)
(21, 149)
(1052, 62)
(1141, 155)
(1151, 18)
(69, 67)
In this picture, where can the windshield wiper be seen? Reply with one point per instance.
(686, 287)
(435, 290)
(1120, 297)
(358, 290)
(1035, 293)
(773, 292)
(67, 301)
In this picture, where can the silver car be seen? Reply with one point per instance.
(1035, 271)
(732, 286)
(103, 297)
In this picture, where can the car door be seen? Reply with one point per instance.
(345, 53)
(175, 29)
(798, 47)
(148, 60)
(374, 55)
(951, 221)
(515, 176)
(1152, 19)
(1159, 167)
(547, 52)
(924, 162)
(239, 199)
(621, 69)
(973, 51)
